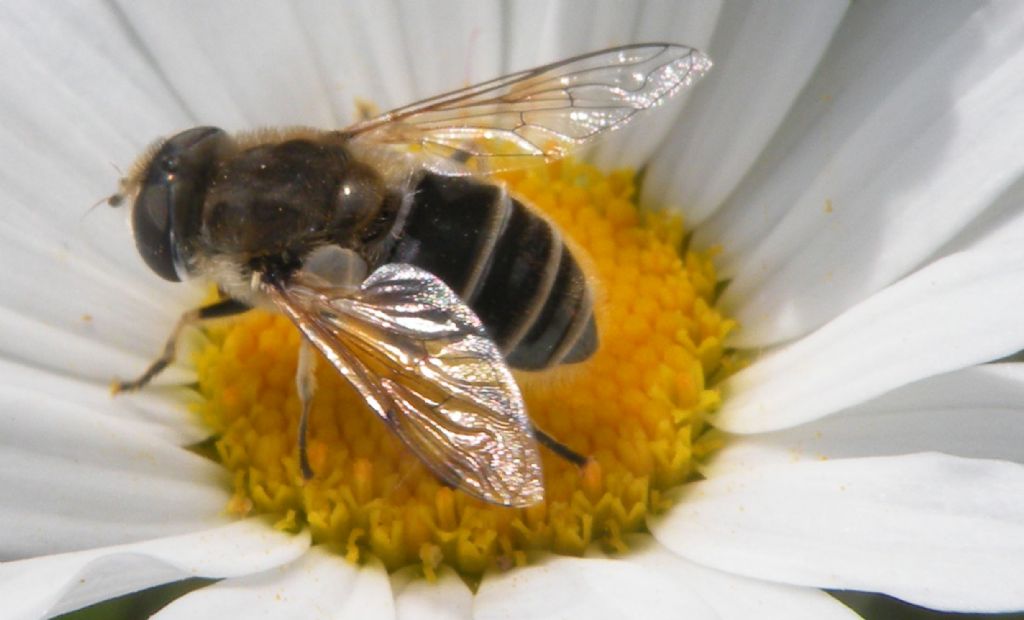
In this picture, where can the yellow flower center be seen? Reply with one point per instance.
(637, 407)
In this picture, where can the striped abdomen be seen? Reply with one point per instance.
(507, 263)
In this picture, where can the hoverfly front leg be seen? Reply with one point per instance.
(216, 310)
(305, 383)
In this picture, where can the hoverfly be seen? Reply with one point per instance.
(419, 281)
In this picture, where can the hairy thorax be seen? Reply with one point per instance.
(274, 203)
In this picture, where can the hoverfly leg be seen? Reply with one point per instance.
(216, 310)
(560, 448)
(305, 383)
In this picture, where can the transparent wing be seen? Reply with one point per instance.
(540, 114)
(422, 361)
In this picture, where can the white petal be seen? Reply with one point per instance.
(56, 584)
(317, 585)
(975, 412)
(64, 65)
(908, 132)
(80, 89)
(371, 594)
(590, 588)
(390, 54)
(935, 530)
(957, 312)
(163, 413)
(64, 308)
(1001, 223)
(75, 478)
(231, 72)
(418, 599)
(732, 596)
(73, 277)
(62, 137)
(29, 341)
(469, 52)
(361, 50)
(540, 32)
(763, 57)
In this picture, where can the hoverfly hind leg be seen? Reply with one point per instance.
(305, 383)
(560, 448)
(216, 310)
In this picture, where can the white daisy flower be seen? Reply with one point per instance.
(859, 165)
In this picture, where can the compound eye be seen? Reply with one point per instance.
(166, 215)
(154, 238)
(169, 164)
